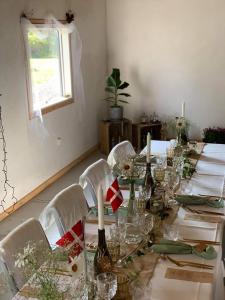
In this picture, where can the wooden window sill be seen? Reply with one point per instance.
(55, 106)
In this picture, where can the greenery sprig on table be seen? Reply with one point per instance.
(188, 168)
(44, 278)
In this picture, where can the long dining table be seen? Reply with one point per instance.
(171, 282)
(208, 180)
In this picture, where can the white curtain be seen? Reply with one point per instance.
(76, 52)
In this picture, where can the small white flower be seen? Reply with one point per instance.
(22, 258)
(180, 123)
(19, 263)
(126, 168)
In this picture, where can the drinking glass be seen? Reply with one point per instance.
(171, 232)
(148, 224)
(114, 234)
(117, 233)
(132, 234)
(106, 285)
(162, 161)
(185, 188)
(159, 174)
(114, 250)
(140, 202)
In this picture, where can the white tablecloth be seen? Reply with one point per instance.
(157, 147)
(211, 162)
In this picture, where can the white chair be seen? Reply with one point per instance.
(14, 243)
(120, 153)
(65, 210)
(99, 173)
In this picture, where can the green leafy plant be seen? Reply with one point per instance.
(113, 86)
(214, 135)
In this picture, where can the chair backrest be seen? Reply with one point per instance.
(14, 243)
(66, 209)
(97, 174)
(120, 153)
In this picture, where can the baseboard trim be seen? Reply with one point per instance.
(9, 211)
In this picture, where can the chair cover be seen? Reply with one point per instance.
(65, 209)
(14, 243)
(120, 153)
(99, 173)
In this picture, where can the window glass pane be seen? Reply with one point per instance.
(45, 66)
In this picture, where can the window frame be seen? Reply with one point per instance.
(65, 100)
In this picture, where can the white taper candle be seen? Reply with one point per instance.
(183, 110)
(100, 209)
(148, 147)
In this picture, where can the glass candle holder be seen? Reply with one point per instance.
(159, 174)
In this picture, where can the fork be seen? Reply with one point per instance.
(201, 211)
(183, 263)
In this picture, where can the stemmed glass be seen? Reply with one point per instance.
(107, 285)
(172, 186)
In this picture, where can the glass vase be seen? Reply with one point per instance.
(130, 209)
(179, 138)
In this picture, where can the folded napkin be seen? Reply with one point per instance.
(173, 247)
(198, 200)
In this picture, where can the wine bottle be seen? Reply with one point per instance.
(149, 184)
(102, 260)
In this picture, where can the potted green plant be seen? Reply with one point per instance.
(113, 86)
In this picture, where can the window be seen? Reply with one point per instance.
(49, 68)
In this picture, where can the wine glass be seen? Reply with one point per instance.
(107, 285)
(171, 187)
(148, 224)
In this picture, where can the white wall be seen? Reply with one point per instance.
(32, 156)
(170, 51)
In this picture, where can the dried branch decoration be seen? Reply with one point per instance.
(7, 187)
